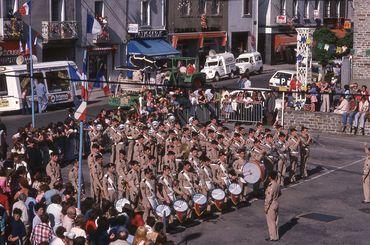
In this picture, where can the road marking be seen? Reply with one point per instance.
(326, 173)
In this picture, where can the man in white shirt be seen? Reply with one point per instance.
(54, 210)
(360, 117)
(343, 109)
(39, 210)
(20, 204)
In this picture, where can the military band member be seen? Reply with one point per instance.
(271, 153)
(53, 169)
(305, 150)
(205, 176)
(95, 134)
(73, 176)
(138, 148)
(168, 193)
(221, 174)
(257, 154)
(133, 183)
(97, 176)
(272, 206)
(293, 144)
(170, 161)
(91, 164)
(148, 193)
(282, 149)
(238, 168)
(188, 181)
(366, 177)
(110, 183)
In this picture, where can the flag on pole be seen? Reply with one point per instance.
(85, 84)
(25, 9)
(101, 81)
(80, 113)
(92, 25)
(15, 8)
(21, 50)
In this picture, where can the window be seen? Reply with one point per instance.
(306, 9)
(242, 60)
(8, 8)
(145, 13)
(317, 5)
(57, 81)
(184, 7)
(55, 10)
(3, 85)
(338, 7)
(24, 80)
(202, 6)
(247, 7)
(295, 8)
(215, 7)
(99, 8)
(282, 7)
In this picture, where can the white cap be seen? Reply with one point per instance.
(121, 126)
(99, 127)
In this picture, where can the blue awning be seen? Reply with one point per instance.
(155, 48)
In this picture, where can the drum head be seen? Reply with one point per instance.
(121, 203)
(235, 189)
(251, 173)
(180, 206)
(218, 194)
(163, 209)
(200, 199)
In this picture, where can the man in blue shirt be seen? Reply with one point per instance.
(41, 96)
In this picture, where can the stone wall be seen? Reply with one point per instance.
(361, 42)
(318, 122)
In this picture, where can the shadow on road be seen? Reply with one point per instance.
(190, 237)
(287, 226)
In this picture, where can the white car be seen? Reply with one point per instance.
(218, 66)
(249, 63)
(282, 78)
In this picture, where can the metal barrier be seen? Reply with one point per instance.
(204, 113)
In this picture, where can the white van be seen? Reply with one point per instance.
(282, 78)
(14, 79)
(249, 63)
(218, 66)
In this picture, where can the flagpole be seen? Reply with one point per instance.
(80, 167)
(31, 69)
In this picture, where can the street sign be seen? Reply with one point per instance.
(133, 28)
(281, 19)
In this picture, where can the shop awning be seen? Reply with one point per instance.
(200, 36)
(155, 48)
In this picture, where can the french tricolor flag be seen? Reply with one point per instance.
(85, 84)
(101, 80)
(25, 9)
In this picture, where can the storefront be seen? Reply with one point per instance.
(284, 48)
(100, 61)
(9, 51)
(198, 44)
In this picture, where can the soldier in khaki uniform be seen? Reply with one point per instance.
(188, 181)
(148, 193)
(293, 144)
(170, 161)
(282, 150)
(366, 177)
(305, 151)
(73, 176)
(110, 183)
(205, 176)
(97, 177)
(53, 169)
(122, 170)
(168, 193)
(138, 148)
(238, 168)
(91, 164)
(221, 174)
(95, 134)
(272, 206)
(257, 154)
(133, 183)
(213, 150)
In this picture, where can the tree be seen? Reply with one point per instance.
(321, 37)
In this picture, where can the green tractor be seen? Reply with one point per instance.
(184, 72)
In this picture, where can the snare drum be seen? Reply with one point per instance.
(121, 203)
(163, 211)
(218, 197)
(235, 191)
(200, 203)
(181, 208)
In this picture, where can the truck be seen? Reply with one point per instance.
(219, 66)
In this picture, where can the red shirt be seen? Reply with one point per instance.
(4, 202)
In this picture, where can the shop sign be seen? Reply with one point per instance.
(150, 33)
(281, 19)
(9, 54)
(133, 28)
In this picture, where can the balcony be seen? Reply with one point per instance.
(103, 37)
(10, 29)
(55, 30)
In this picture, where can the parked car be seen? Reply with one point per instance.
(218, 66)
(250, 63)
(282, 78)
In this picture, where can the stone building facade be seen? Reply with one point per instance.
(361, 42)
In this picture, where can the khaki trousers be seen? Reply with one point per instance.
(281, 171)
(272, 223)
(366, 187)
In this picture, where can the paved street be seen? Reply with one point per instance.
(333, 189)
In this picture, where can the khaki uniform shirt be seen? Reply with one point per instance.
(53, 171)
(271, 196)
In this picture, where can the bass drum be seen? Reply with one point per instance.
(254, 172)
(181, 208)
